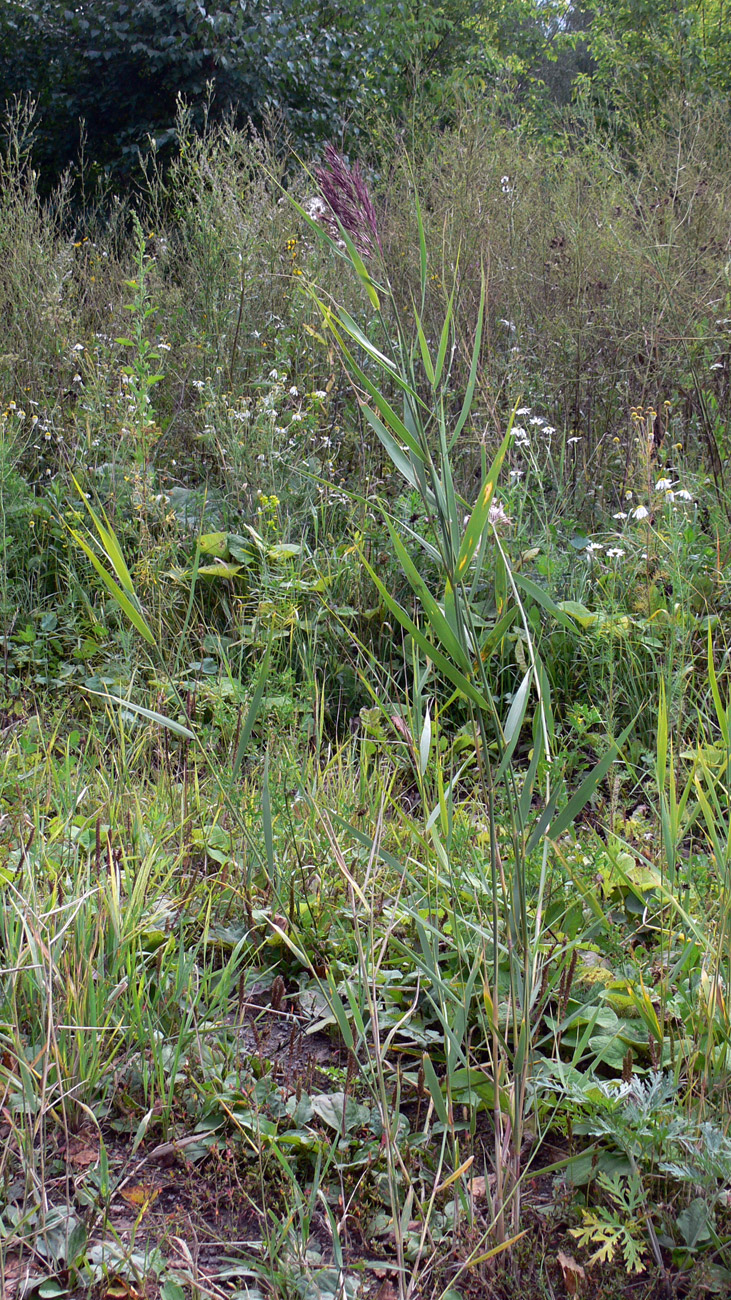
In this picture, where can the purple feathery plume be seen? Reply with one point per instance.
(345, 191)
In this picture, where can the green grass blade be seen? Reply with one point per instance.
(513, 723)
(481, 511)
(543, 599)
(112, 549)
(721, 713)
(422, 245)
(424, 349)
(121, 597)
(472, 380)
(444, 341)
(437, 620)
(253, 711)
(590, 783)
(465, 687)
(360, 267)
(162, 721)
(398, 456)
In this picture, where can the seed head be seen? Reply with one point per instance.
(346, 194)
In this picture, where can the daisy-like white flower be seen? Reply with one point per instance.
(621, 514)
(615, 553)
(523, 410)
(683, 494)
(641, 512)
(594, 546)
(575, 438)
(537, 419)
(663, 485)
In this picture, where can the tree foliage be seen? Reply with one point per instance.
(120, 65)
(647, 52)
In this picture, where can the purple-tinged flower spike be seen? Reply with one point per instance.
(345, 191)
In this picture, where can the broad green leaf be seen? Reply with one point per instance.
(214, 544)
(283, 551)
(340, 1112)
(584, 617)
(221, 570)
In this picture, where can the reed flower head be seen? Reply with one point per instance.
(345, 191)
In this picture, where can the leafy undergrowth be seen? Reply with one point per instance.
(257, 1062)
(364, 791)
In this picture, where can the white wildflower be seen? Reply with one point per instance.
(663, 485)
(497, 516)
(641, 512)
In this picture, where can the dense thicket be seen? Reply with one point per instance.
(119, 66)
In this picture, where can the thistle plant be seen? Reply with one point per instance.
(459, 629)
